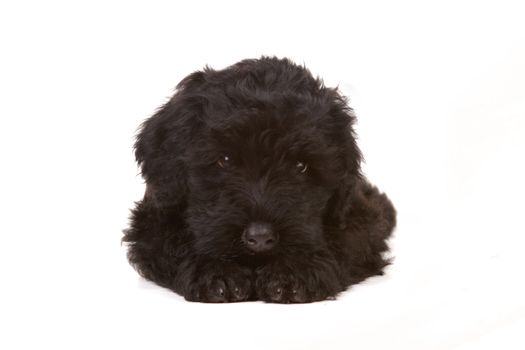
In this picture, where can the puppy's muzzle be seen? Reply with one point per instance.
(260, 237)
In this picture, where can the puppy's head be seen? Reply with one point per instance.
(258, 158)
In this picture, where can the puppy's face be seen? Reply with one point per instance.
(260, 182)
(257, 159)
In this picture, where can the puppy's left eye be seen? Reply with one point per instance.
(301, 167)
(223, 161)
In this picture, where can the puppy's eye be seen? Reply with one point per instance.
(301, 167)
(223, 161)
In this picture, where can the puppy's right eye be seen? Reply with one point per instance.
(301, 167)
(223, 162)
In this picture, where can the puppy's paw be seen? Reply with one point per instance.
(220, 283)
(278, 283)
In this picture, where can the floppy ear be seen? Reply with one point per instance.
(161, 143)
(350, 160)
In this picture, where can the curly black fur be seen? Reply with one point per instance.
(259, 143)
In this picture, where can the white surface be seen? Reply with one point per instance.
(440, 95)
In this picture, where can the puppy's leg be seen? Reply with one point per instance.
(156, 243)
(299, 278)
(161, 250)
(360, 246)
(214, 281)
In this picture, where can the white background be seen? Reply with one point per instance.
(439, 89)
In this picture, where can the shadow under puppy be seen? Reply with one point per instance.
(254, 191)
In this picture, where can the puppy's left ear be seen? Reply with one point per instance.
(349, 160)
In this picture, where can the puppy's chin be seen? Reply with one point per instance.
(255, 259)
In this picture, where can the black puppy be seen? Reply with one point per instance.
(254, 191)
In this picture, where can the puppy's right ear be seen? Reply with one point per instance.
(162, 141)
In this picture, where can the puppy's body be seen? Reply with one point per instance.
(254, 190)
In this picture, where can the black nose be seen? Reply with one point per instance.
(259, 237)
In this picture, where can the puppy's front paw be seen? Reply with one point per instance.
(279, 283)
(219, 282)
